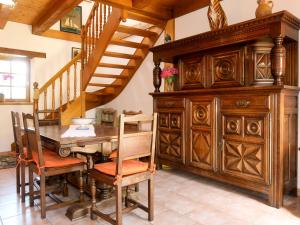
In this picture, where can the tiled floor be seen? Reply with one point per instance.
(180, 199)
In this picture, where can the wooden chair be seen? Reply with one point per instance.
(126, 170)
(21, 154)
(49, 117)
(47, 163)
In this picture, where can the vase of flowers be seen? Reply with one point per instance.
(170, 76)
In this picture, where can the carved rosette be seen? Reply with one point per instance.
(224, 69)
(164, 120)
(278, 61)
(175, 120)
(254, 127)
(201, 114)
(233, 126)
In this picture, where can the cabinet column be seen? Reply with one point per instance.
(278, 61)
(156, 76)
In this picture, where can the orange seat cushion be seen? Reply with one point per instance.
(129, 167)
(52, 159)
(113, 154)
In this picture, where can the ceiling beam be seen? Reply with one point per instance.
(188, 6)
(29, 54)
(140, 3)
(53, 12)
(4, 15)
(157, 11)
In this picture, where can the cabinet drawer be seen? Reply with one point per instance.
(245, 102)
(170, 103)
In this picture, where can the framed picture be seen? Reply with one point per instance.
(75, 51)
(72, 22)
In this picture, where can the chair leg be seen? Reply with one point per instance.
(31, 197)
(150, 198)
(126, 196)
(118, 205)
(22, 181)
(81, 194)
(136, 188)
(18, 178)
(43, 195)
(93, 193)
(65, 188)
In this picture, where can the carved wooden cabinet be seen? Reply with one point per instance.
(235, 115)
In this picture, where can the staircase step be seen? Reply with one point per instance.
(136, 31)
(110, 76)
(104, 85)
(146, 19)
(101, 93)
(116, 66)
(121, 55)
(128, 44)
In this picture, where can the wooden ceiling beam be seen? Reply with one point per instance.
(188, 6)
(29, 54)
(153, 10)
(5, 12)
(53, 12)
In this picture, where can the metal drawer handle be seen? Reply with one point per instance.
(242, 103)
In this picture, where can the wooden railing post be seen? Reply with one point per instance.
(36, 94)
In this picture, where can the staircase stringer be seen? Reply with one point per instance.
(128, 72)
(100, 46)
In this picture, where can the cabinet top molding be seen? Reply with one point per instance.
(280, 24)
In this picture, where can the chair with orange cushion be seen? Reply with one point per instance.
(47, 163)
(21, 154)
(126, 170)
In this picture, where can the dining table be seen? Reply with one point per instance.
(52, 137)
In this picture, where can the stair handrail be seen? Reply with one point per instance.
(38, 92)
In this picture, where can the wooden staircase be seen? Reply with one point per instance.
(111, 52)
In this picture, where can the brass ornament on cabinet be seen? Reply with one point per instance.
(201, 114)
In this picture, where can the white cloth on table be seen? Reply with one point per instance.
(73, 131)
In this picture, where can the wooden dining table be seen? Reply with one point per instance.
(51, 137)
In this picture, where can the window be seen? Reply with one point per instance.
(14, 78)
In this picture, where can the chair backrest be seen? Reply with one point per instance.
(106, 116)
(134, 145)
(15, 117)
(49, 117)
(133, 124)
(33, 137)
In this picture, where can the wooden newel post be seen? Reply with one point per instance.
(278, 61)
(156, 76)
(36, 94)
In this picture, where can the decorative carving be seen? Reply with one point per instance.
(170, 144)
(278, 61)
(156, 76)
(175, 120)
(201, 114)
(264, 8)
(254, 127)
(216, 15)
(227, 68)
(263, 66)
(233, 126)
(164, 120)
(243, 158)
(192, 72)
(201, 149)
(224, 69)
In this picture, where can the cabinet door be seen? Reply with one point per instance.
(171, 136)
(201, 133)
(246, 146)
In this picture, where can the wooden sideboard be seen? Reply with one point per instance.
(234, 117)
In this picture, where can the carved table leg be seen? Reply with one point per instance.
(156, 76)
(278, 61)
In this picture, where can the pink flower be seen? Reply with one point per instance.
(7, 76)
(169, 72)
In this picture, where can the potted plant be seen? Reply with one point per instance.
(170, 76)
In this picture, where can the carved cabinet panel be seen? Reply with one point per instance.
(192, 72)
(201, 148)
(245, 151)
(227, 68)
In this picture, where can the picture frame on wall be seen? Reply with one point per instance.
(72, 22)
(75, 51)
